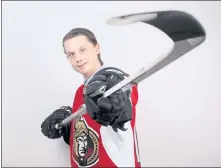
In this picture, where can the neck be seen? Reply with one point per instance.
(95, 69)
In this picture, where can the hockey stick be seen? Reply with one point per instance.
(185, 31)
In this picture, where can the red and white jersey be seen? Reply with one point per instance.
(94, 145)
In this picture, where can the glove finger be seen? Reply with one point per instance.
(54, 135)
(110, 116)
(93, 87)
(91, 107)
(66, 108)
(99, 92)
(112, 71)
(57, 115)
(119, 126)
(47, 119)
(114, 100)
(45, 130)
(43, 123)
(104, 116)
(112, 80)
(104, 104)
(54, 119)
(121, 100)
(103, 121)
(116, 103)
(51, 133)
(49, 125)
(98, 77)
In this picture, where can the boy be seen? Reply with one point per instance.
(105, 136)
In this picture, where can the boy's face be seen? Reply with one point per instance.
(82, 55)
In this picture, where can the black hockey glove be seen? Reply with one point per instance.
(48, 125)
(114, 110)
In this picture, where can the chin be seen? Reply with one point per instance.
(83, 71)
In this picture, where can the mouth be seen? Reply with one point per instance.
(82, 151)
(80, 66)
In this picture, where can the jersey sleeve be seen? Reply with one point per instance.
(134, 95)
(134, 100)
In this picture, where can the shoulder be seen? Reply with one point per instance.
(78, 98)
(79, 89)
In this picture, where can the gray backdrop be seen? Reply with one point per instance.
(178, 114)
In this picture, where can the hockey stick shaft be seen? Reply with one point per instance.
(125, 84)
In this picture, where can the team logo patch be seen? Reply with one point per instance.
(85, 147)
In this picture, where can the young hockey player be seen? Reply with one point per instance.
(105, 136)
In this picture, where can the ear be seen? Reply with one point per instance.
(97, 49)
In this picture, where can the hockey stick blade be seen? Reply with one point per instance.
(185, 31)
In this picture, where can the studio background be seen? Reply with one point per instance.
(178, 114)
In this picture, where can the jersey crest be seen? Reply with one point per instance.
(86, 144)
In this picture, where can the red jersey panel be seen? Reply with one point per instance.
(94, 145)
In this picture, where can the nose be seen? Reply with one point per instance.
(86, 142)
(78, 57)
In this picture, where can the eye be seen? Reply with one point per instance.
(82, 50)
(70, 55)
